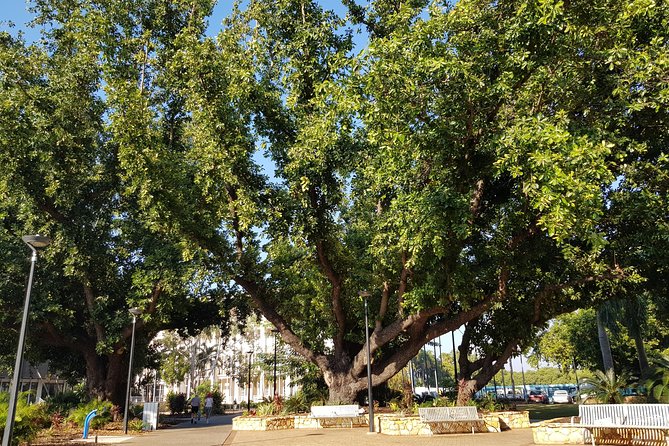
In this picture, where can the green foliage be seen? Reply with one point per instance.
(176, 402)
(63, 402)
(298, 403)
(489, 404)
(104, 413)
(203, 389)
(477, 163)
(607, 387)
(265, 409)
(136, 425)
(29, 419)
(657, 385)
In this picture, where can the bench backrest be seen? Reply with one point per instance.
(448, 413)
(625, 414)
(351, 410)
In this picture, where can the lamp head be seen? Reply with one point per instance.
(36, 241)
(364, 294)
(135, 311)
(250, 352)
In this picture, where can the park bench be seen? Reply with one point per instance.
(450, 419)
(350, 411)
(639, 424)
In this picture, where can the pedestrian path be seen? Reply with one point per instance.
(213, 433)
(344, 437)
(219, 433)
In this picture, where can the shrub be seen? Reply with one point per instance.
(297, 403)
(265, 409)
(489, 404)
(30, 419)
(104, 415)
(135, 425)
(63, 402)
(204, 389)
(177, 402)
(135, 411)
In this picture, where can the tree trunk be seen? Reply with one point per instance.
(106, 377)
(643, 358)
(466, 390)
(343, 388)
(604, 344)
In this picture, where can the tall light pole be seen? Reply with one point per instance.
(276, 332)
(455, 360)
(34, 242)
(365, 295)
(135, 312)
(248, 390)
(436, 368)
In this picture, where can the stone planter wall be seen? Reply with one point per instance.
(256, 423)
(306, 422)
(388, 424)
(263, 423)
(412, 425)
(557, 431)
(513, 420)
(401, 425)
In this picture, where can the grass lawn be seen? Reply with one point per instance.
(540, 412)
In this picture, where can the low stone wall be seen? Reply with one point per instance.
(401, 425)
(307, 422)
(557, 431)
(412, 425)
(263, 423)
(269, 423)
(513, 420)
(388, 424)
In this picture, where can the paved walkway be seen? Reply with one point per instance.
(213, 433)
(219, 432)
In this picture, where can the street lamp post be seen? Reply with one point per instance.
(248, 390)
(135, 312)
(365, 295)
(34, 242)
(276, 332)
(455, 359)
(436, 368)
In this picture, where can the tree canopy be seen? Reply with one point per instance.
(476, 164)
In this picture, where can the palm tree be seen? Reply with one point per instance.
(630, 312)
(606, 387)
(604, 318)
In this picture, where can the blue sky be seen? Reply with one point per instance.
(17, 11)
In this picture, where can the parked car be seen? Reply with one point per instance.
(537, 396)
(562, 396)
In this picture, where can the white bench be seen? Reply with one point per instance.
(466, 416)
(350, 411)
(642, 424)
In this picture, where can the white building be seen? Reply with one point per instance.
(223, 364)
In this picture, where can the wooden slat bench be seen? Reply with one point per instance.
(443, 419)
(351, 411)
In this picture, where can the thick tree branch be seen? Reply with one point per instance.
(89, 296)
(288, 336)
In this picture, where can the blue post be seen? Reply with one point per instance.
(87, 421)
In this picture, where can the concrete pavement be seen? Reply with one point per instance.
(355, 436)
(201, 434)
(219, 432)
